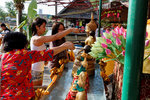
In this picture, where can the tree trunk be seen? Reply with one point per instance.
(19, 7)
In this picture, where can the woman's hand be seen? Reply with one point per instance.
(75, 30)
(69, 45)
(64, 46)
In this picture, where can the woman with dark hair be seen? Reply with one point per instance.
(16, 82)
(56, 28)
(4, 28)
(37, 43)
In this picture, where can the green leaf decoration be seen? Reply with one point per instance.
(75, 83)
(32, 9)
(80, 70)
(110, 60)
(80, 89)
(23, 23)
(82, 58)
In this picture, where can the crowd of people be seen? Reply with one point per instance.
(21, 69)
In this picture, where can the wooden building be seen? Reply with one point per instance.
(112, 12)
(77, 13)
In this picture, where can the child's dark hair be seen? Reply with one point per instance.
(38, 22)
(3, 25)
(14, 40)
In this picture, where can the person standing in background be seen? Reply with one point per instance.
(5, 30)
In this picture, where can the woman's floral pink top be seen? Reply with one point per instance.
(16, 73)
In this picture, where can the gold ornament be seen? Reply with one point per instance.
(91, 26)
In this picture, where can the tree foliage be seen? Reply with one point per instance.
(3, 14)
(19, 1)
(10, 9)
(32, 14)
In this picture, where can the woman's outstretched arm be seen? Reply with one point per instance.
(39, 40)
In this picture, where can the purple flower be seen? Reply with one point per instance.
(108, 41)
(104, 45)
(123, 52)
(147, 42)
(108, 51)
(118, 41)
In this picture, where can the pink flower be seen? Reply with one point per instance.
(114, 35)
(108, 15)
(118, 41)
(118, 15)
(108, 41)
(103, 37)
(122, 48)
(149, 57)
(123, 52)
(117, 29)
(146, 34)
(107, 31)
(104, 45)
(121, 31)
(147, 42)
(108, 52)
(124, 35)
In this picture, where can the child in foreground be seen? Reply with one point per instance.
(16, 82)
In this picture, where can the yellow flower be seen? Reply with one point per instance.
(17, 52)
(19, 72)
(5, 66)
(8, 88)
(42, 53)
(19, 92)
(24, 51)
(7, 73)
